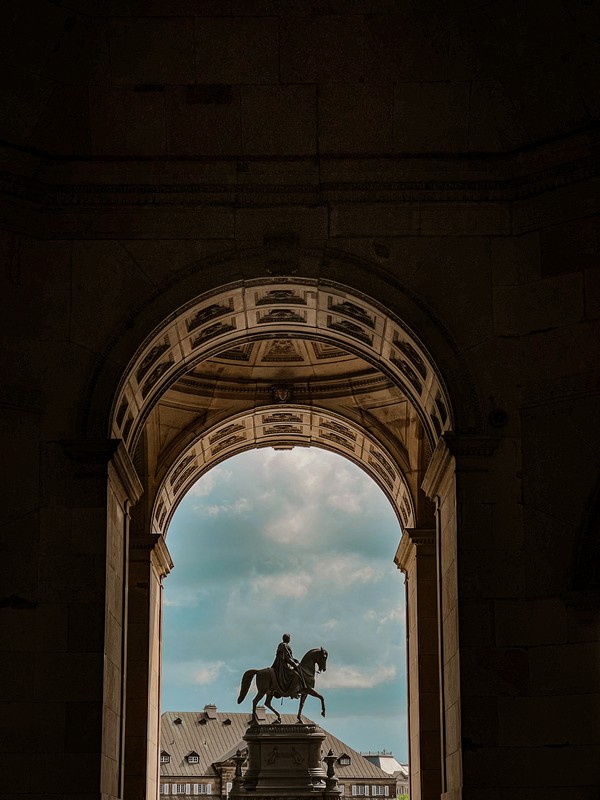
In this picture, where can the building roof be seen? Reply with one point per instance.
(386, 761)
(215, 736)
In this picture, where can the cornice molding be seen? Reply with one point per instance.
(99, 458)
(501, 179)
(413, 540)
(460, 444)
(456, 451)
(152, 547)
(124, 470)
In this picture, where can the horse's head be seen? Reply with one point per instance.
(322, 659)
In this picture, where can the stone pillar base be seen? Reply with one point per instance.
(283, 761)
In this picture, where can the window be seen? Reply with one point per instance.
(344, 760)
(359, 790)
(342, 788)
(380, 791)
(165, 758)
(164, 788)
(202, 788)
(181, 788)
(192, 759)
(228, 787)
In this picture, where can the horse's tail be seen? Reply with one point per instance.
(246, 681)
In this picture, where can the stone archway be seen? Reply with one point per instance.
(284, 362)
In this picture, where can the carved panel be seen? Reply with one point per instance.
(334, 437)
(381, 472)
(242, 352)
(218, 329)
(150, 358)
(337, 427)
(384, 462)
(285, 296)
(121, 412)
(280, 315)
(282, 429)
(441, 408)
(184, 476)
(156, 374)
(412, 355)
(209, 313)
(226, 431)
(180, 467)
(324, 351)
(281, 416)
(349, 328)
(407, 370)
(351, 310)
(231, 440)
(282, 350)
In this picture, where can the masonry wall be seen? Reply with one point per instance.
(155, 155)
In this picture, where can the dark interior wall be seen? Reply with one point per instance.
(154, 154)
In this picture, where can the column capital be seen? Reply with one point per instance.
(414, 539)
(100, 458)
(152, 547)
(461, 451)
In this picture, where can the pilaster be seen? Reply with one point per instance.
(149, 563)
(416, 558)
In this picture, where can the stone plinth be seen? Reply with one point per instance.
(284, 761)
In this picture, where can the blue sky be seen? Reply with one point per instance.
(299, 541)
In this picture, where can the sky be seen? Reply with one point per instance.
(289, 541)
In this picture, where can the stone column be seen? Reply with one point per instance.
(457, 480)
(149, 564)
(416, 558)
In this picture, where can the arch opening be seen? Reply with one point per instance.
(297, 540)
(273, 363)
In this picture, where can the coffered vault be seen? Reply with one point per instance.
(283, 363)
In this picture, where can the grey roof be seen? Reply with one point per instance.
(214, 741)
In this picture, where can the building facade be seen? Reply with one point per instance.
(197, 749)
(385, 760)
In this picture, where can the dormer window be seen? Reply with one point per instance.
(202, 721)
(165, 758)
(344, 760)
(193, 757)
(227, 721)
(177, 721)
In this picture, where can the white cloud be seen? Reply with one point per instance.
(350, 503)
(182, 596)
(194, 673)
(290, 526)
(286, 584)
(352, 677)
(208, 673)
(239, 506)
(205, 485)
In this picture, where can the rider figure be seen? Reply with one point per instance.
(286, 667)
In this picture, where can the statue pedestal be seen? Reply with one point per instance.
(283, 761)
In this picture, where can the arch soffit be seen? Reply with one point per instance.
(282, 427)
(275, 307)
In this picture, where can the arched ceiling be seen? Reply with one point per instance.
(239, 343)
(274, 363)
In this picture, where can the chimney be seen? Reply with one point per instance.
(211, 711)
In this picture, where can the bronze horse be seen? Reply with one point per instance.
(266, 684)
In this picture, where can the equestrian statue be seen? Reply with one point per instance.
(286, 678)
